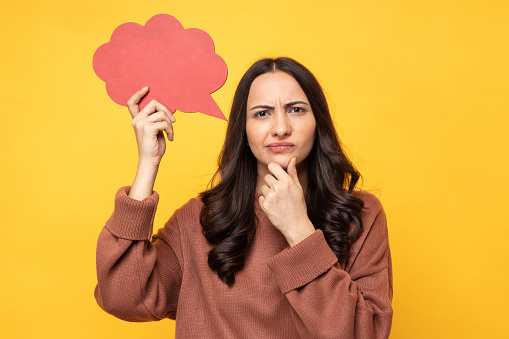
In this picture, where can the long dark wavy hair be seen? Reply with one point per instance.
(228, 213)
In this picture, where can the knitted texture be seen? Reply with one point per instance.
(282, 292)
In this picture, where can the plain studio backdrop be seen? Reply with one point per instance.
(418, 92)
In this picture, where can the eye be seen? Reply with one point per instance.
(297, 110)
(261, 114)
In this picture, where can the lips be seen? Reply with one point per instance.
(280, 146)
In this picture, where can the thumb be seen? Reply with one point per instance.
(292, 170)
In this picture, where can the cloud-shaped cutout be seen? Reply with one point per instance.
(179, 65)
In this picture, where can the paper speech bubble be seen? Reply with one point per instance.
(179, 65)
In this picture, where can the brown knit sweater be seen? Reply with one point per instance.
(282, 292)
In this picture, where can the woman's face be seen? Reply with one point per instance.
(280, 124)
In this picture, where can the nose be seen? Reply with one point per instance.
(281, 125)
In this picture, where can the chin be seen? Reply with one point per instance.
(281, 160)
(283, 165)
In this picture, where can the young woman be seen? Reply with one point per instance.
(281, 246)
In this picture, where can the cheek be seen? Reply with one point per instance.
(311, 132)
(256, 134)
(251, 135)
(311, 139)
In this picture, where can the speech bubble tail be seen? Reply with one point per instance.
(210, 107)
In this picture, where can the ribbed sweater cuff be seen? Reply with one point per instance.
(297, 266)
(132, 219)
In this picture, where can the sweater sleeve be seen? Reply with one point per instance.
(138, 279)
(330, 302)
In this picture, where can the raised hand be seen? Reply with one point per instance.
(149, 125)
(283, 202)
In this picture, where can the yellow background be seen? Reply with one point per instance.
(419, 95)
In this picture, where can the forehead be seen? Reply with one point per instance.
(274, 87)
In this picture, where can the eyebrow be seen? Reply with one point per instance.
(286, 105)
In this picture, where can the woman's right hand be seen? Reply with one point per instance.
(149, 125)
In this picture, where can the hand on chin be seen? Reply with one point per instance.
(281, 159)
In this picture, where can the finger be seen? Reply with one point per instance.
(149, 109)
(166, 127)
(132, 103)
(169, 118)
(158, 116)
(155, 106)
(292, 169)
(265, 190)
(139, 123)
(161, 108)
(270, 180)
(277, 171)
(162, 117)
(171, 133)
(261, 199)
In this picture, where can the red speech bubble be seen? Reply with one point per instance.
(179, 65)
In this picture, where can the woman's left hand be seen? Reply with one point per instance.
(283, 202)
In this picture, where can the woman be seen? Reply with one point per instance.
(280, 247)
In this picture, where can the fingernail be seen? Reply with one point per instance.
(144, 88)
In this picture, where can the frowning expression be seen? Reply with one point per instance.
(280, 124)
